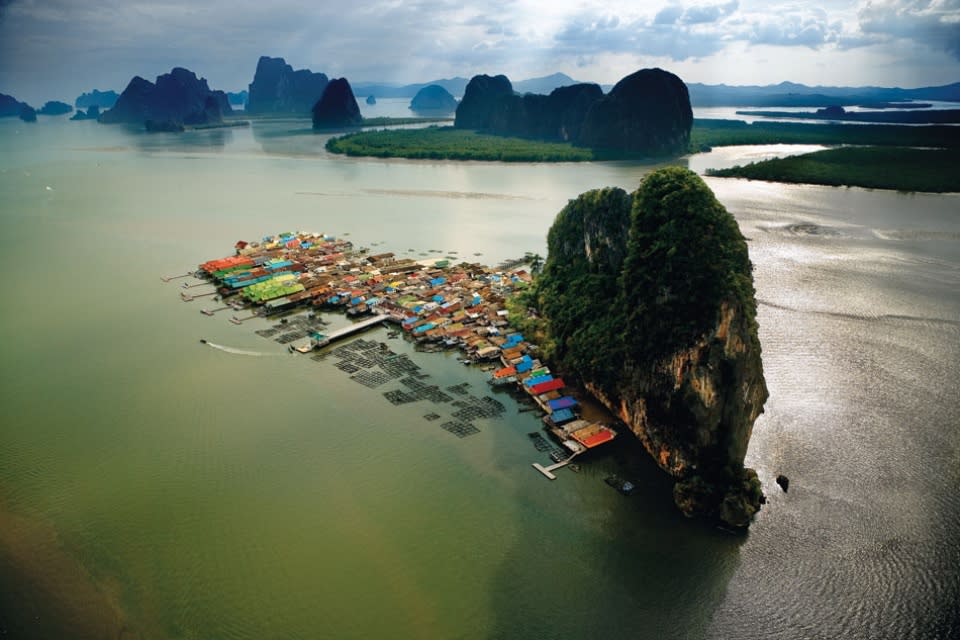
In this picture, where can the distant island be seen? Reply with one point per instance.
(54, 108)
(96, 98)
(648, 299)
(337, 107)
(903, 169)
(433, 99)
(92, 113)
(10, 107)
(837, 112)
(177, 99)
(279, 89)
(646, 114)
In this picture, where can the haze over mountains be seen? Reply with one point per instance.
(702, 95)
(784, 94)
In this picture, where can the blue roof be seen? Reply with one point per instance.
(561, 403)
(438, 298)
(562, 415)
(523, 367)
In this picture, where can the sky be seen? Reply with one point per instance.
(57, 49)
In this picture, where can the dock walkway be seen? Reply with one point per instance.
(548, 471)
(356, 327)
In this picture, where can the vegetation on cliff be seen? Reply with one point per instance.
(648, 298)
(931, 170)
(433, 99)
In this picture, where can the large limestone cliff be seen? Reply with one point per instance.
(648, 298)
(646, 112)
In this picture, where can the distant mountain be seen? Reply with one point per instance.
(544, 85)
(456, 86)
(791, 94)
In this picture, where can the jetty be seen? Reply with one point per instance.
(548, 471)
(353, 329)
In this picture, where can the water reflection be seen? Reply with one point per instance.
(588, 562)
(192, 140)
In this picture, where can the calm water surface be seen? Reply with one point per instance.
(157, 488)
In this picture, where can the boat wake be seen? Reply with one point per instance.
(238, 352)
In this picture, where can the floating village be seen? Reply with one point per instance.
(438, 305)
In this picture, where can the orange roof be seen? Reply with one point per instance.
(506, 371)
(596, 439)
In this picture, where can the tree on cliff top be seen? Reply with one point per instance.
(648, 298)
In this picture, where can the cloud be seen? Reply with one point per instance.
(935, 23)
(700, 14)
(587, 34)
(668, 15)
(792, 28)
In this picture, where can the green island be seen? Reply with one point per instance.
(903, 169)
(647, 299)
(721, 133)
(447, 143)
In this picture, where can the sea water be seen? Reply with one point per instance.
(156, 487)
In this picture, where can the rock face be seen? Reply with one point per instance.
(177, 98)
(647, 112)
(337, 107)
(277, 88)
(27, 113)
(482, 99)
(54, 108)
(101, 99)
(10, 106)
(433, 99)
(648, 298)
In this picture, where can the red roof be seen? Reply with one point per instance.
(549, 385)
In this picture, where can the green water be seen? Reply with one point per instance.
(221, 495)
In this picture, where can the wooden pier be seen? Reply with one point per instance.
(357, 327)
(548, 471)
